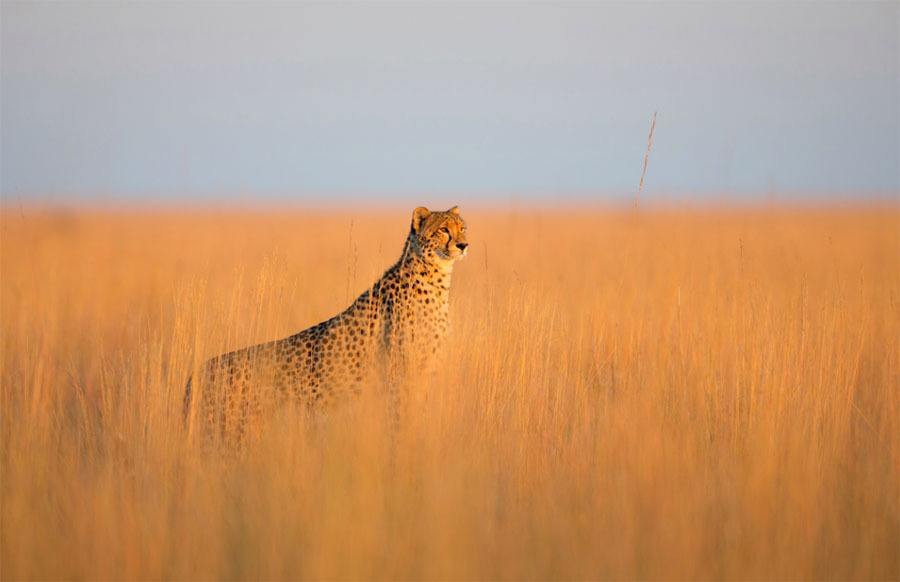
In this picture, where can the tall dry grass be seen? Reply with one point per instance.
(706, 394)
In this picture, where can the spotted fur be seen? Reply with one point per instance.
(388, 335)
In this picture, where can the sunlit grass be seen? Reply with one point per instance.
(705, 394)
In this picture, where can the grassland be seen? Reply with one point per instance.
(679, 394)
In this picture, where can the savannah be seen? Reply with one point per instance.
(679, 393)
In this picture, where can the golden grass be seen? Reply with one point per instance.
(705, 394)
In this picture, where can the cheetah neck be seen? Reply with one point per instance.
(412, 266)
(408, 307)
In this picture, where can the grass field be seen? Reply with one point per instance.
(676, 394)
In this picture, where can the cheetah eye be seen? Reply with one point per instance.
(445, 230)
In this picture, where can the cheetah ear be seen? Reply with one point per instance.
(419, 216)
(454, 210)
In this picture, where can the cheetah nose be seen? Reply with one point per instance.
(462, 246)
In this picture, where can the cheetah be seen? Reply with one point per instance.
(391, 333)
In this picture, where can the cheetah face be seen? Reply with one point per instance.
(439, 237)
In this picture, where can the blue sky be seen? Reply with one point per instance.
(324, 101)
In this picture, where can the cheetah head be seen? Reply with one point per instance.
(438, 237)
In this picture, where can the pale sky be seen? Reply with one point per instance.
(327, 101)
